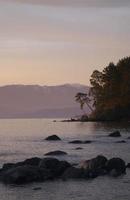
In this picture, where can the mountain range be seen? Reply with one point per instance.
(35, 101)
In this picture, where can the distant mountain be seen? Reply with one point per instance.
(34, 101)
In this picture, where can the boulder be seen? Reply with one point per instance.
(87, 142)
(37, 188)
(95, 166)
(114, 173)
(49, 163)
(73, 173)
(56, 153)
(79, 148)
(8, 166)
(53, 138)
(55, 166)
(76, 142)
(31, 161)
(116, 164)
(24, 174)
(128, 165)
(115, 134)
(121, 141)
(80, 142)
(63, 166)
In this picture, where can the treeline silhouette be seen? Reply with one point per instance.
(110, 90)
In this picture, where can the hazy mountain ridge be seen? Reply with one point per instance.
(39, 101)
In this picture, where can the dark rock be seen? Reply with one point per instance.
(49, 163)
(56, 153)
(7, 166)
(76, 142)
(73, 173)
(63, 165)
(114, 173)
(52, 138)
(55, 166)
(32, 161)
(115, 134)
(121, 141)
(78, 148)
(116, 164)
(128, 138)
(24, 174)
(84, 118)
(128, 165)
(80, 142)
(94, 164)
(37, 188)
(87, 142)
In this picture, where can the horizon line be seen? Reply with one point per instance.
(40, 85)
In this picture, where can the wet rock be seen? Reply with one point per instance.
(80, 142)
(114, 173)
(63, 166)
(121, 141)
(116, 164)
(128, 165)
(56, 153)
(55, 166)
(73, 173)
(115, 134)
(53, 138)
(32, 161)
(24, 174)
(78, 148)
(49, 163)
(94, 164)
(76, 142)
(8, 166)
(87, 142)
(37, 188)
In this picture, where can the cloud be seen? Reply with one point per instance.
(73, 3)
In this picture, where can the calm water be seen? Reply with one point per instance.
(21, 139)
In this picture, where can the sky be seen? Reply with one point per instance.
(52, 42)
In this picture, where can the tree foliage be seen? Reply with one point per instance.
(83, 98)
(111, 91)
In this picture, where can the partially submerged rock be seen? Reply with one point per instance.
(95, 166)
(54, 165)
(34, 161)
(121, 141)
(73, 173)
(80, 142)
(56, 153)
(128, 165)
(115, 134)
(76, 142)
(49, 168)
(87, 142)
(116, 165)
(24, 174)
(53, 138)
(79, 148)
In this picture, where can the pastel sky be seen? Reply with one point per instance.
(52, 42)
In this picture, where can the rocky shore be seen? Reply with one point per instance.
(50, 168)
(40, 170)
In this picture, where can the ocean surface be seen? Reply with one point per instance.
(24, 138)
